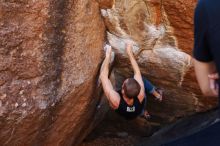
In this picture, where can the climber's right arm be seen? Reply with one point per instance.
(112, 96)
(137, 72)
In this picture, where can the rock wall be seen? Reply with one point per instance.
(50, 54)
(162, 32)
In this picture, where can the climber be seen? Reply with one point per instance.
(130, 101)
(206, 47)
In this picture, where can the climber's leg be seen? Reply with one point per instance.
(149, 88)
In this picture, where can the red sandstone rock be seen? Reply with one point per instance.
(162, 32)
(180, 14)
(50, 53)
(106, 4)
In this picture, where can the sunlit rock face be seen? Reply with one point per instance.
(50, 54)
(162, 32)
(106, 4)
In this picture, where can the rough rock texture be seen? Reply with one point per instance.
(115, 130)
(180, 14)
(106, 4)
(110, 134)
(162, 32)
(50, 54)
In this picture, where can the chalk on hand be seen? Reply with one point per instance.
(113, 53)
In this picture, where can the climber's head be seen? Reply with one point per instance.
(131, 88)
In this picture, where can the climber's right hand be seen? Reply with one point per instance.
(129, 46)
(108, 51)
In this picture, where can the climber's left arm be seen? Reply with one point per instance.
(137, 72)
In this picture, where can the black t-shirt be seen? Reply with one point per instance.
(207, 32)
(130, 112)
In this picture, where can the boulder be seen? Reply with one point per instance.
(51, 52)
(162, 33)
(50, 55)
(106, 4)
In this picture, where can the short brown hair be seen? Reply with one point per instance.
(131, 88)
